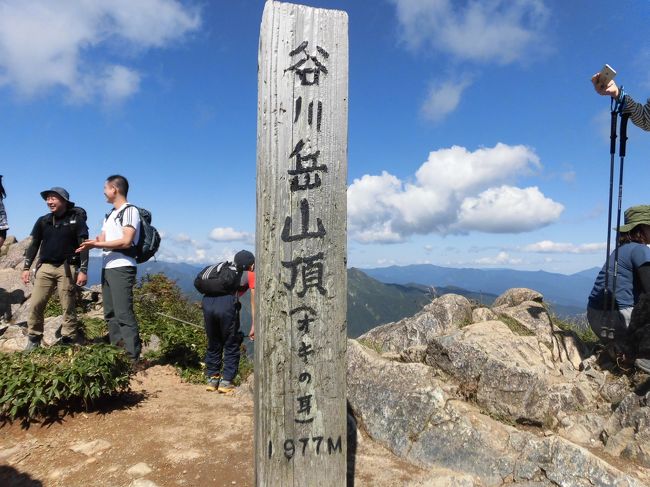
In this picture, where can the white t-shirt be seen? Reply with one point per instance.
(113, 230)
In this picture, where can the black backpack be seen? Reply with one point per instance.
(148, 243)
(218, 280)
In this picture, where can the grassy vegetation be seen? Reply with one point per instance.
(516, 327)
(585, 334)
(43, 381)
(372, 345)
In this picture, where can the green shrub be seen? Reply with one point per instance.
(94, 328)
(181, 345)
(53, 307)
(48, 379)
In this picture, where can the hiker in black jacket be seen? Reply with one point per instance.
(57, 235)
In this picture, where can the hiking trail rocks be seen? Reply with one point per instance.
(498, 395)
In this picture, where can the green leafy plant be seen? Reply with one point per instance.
(35, 384)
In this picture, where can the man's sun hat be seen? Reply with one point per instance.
(635, 215)
(59, 191)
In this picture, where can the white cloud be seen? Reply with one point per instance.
(443, 99)
(119, 83)
(47, 45)
(508, 210)
(229, 234)
(502, 258)
(189, 251)
(454, 191)
(496, 31)
(568, 176)
(550, 247)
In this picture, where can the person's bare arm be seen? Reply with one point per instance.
(128, 234)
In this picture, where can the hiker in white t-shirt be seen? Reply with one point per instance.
(120, 232)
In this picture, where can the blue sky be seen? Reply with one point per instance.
(475, 136)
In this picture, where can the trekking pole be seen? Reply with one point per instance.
(186, 322)
(621, 153)
(612, 153)
(178, 319)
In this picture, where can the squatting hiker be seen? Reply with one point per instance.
(4, 224)
(221, 317)
(120, 232)
(639, 114)
(57, 235)
(633, 279)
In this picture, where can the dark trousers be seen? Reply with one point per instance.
(221, 319)
(117, 291)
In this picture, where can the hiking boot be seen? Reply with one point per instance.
(32, 344)
(226, 387)
(67, 341)
(213, 383)
(643, 364)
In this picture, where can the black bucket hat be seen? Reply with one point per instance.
(244, 259)
(59, 191)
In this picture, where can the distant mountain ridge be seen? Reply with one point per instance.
(378, 296)
(560, 289)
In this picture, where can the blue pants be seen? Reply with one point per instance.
(221, 319)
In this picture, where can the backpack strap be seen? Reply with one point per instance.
(120, 215)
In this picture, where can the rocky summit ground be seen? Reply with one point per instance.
(165, 433)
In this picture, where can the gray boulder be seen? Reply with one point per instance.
(528, 318)
(483, 314)
(514, 377)
(516, 296)
(443, 315)
(417, 416)
(13, 293)
(627, 433)
(13, 338)
(13, 255)
(511, 376)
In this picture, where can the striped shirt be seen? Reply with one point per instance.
(113, 230)
(639, 114)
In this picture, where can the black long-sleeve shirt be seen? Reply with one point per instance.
(58, 238)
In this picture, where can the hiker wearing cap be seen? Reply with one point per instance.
(221, 318)
(120, 232)
(632, 279)
(639, 114)
(57, 234)
(4, 224)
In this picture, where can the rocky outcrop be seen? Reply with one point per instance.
(516, 296)
(501, 395)
(443, 315)
(421, 418)
(13, 253)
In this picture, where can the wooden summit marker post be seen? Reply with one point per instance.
(300, 392)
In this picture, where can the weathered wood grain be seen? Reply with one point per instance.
(289, 452)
